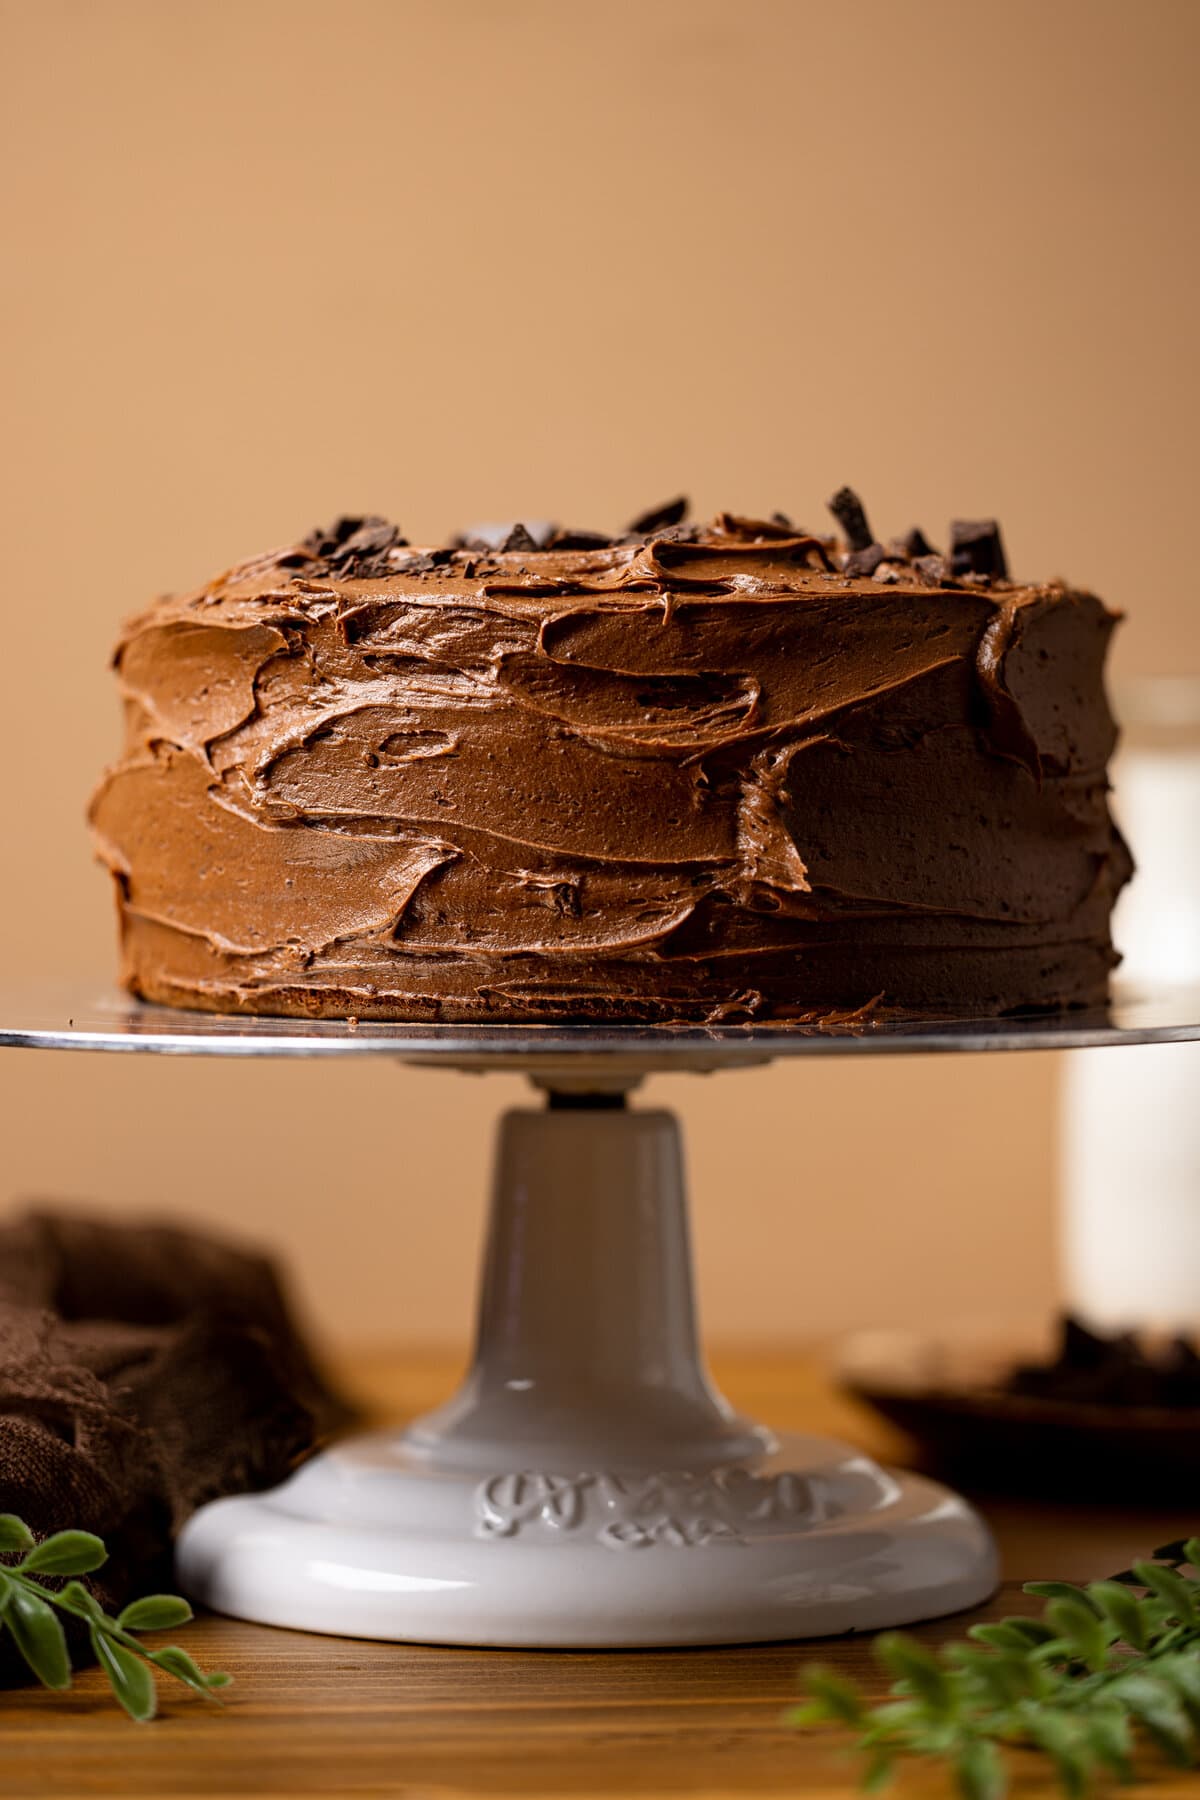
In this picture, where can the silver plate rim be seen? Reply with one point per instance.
(88, 1016)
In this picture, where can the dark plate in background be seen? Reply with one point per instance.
(948, 1396)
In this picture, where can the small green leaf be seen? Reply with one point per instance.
(129, 1678)
(217, 1678)
(1122, 1609)
(840, 1698)
(1003, 1679)
(1158, 1708)
(813, 1712)
(15, 1533)
(1111, 1741)
(1082, 1628)
(910, 1661)
(154, 1612)
(1059, 1738)
(1034, 1631)
(174, 1661)
(1057, 1590)
(1182, 1672)
(900, 1716)
(878, 1774)
(1191, 1551)
(75, 1598)
(66, 1553)
(1002, 1635)
(38, 1635)
(979, 1771)
(1178, 1593)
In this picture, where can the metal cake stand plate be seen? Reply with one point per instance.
(587, 1486)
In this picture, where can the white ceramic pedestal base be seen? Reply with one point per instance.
(365, 1542)
(587, 1487)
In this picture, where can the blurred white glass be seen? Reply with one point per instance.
(1130, 1133)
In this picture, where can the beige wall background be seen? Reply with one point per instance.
(264, 260)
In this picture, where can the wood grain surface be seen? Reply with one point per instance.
(330, 1716)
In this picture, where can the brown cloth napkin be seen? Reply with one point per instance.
(144, 1369)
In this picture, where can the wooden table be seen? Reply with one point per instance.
(339, 1717)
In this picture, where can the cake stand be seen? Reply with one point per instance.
(587, 1486)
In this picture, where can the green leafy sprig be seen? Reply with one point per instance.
(27, 1609)
(1105, 1666)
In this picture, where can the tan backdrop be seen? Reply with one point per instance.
(269, 259)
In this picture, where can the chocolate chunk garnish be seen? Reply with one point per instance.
(324, 542)
(425, 563)
(738, 525)
(658, 519)
(356, 545)
(976, 549)
(579, 540)
(372, 536)
(512, 534)
(914, 543)
(850, 514)
(865, 561)
(931, 569)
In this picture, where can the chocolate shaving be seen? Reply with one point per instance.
(976, 549)
(659, 518)
(671, 534)
(579, 540)
(512, 534)
(737, 525)
(866, 561)
(932, 570)
(363, 545)
(325, 543)
(850, 514)
(425, 562)
(355, 547)
(914, 543)
(374, 535)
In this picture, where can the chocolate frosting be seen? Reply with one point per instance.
(692, 773)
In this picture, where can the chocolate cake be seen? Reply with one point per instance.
(726, 772)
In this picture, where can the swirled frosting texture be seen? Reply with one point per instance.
(703, 776)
